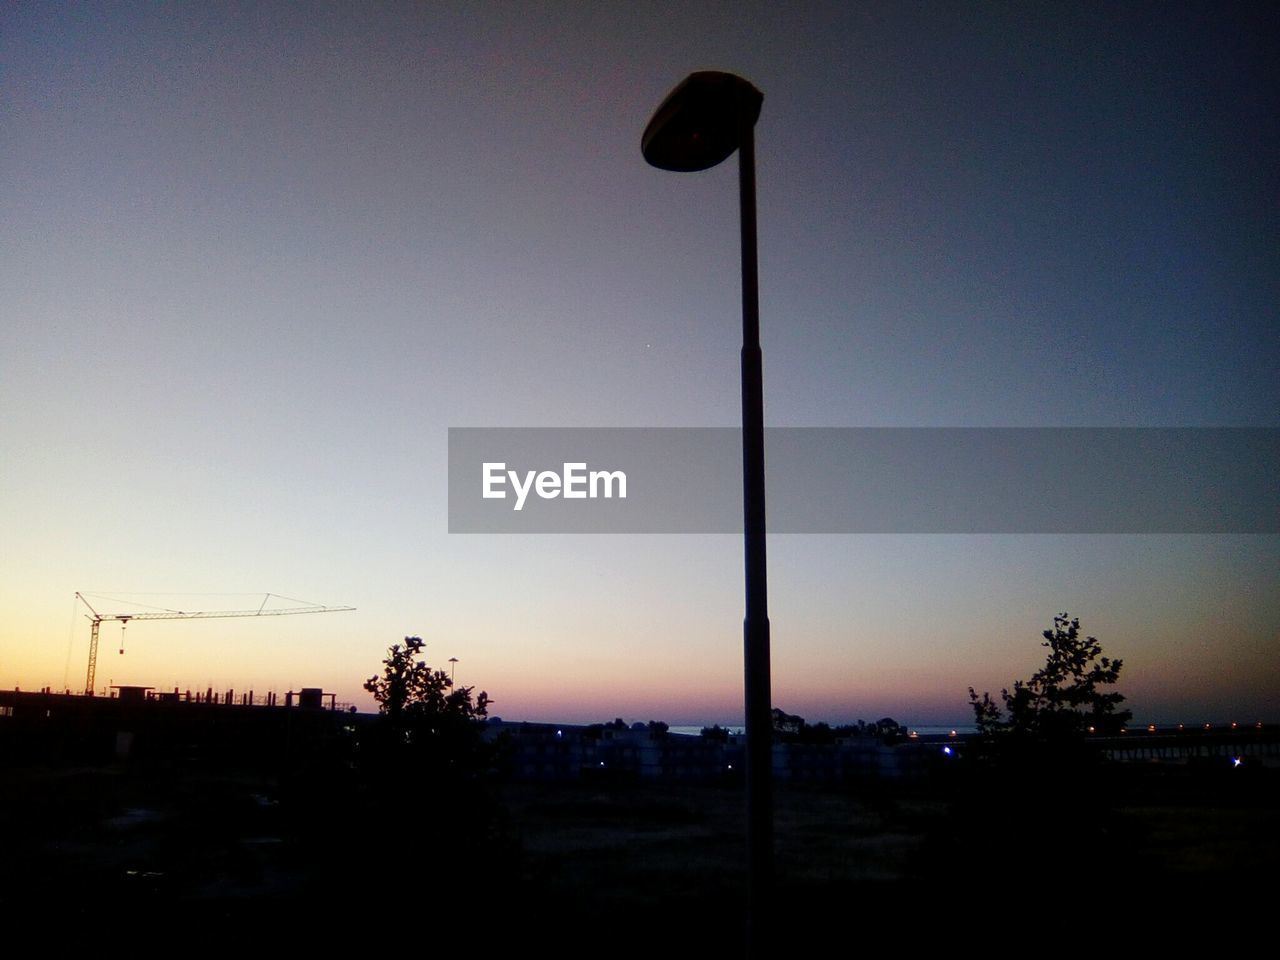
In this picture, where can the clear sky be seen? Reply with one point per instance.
(257, 258)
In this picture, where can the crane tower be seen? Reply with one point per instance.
(95, 618)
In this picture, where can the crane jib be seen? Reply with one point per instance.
(96, 619)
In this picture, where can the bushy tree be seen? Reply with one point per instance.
(408, 801)
(409, 690)
(1037, 784)
(430, 728)
(1067, 698)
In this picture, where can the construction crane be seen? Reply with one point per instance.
(96, 619)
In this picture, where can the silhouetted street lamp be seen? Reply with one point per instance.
(701, 123)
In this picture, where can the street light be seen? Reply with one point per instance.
(700, 124)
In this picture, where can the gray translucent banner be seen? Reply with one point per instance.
(867, 480)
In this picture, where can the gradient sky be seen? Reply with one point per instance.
(257, 258)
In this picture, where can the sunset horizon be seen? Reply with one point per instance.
(261, 259)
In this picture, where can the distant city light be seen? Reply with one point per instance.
(1237, 761)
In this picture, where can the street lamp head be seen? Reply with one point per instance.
(701, 122)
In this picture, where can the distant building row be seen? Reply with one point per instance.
(546, 752)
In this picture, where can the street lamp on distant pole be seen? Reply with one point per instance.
(700, 124)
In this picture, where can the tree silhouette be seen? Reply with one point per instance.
(409, 690)
(430, 729)
(1065, 699)
(1037, 778)
(412, 793)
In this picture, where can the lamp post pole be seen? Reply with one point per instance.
(704, 120)
(755, 626)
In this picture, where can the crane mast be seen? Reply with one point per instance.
(96, 619)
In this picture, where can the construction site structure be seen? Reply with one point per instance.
(96, 619)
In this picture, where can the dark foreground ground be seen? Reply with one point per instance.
(608, 868)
